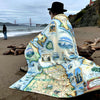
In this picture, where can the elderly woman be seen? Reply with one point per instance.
(54, 65)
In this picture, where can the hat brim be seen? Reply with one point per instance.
(63, 10)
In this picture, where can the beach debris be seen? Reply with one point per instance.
(24, 68)
(15, 50)
(88, 48)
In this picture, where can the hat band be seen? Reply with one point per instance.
(59, 9)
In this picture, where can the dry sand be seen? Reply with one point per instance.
(10, 65)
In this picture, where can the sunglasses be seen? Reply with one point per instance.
(49, 12)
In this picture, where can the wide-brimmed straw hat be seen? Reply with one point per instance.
(57, 7)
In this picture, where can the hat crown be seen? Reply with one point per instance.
(57, 7)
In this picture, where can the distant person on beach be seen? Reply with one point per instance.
(54, 65)
(5, 32)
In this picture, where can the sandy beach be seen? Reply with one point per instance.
(10, 64)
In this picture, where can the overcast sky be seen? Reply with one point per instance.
(22, 10)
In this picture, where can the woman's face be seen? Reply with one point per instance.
(51, 14)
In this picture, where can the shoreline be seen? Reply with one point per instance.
(26, 34)
(21, 35)
(38, 31)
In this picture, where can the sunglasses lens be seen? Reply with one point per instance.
(50, 12)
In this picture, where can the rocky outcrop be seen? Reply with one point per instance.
(89, 16)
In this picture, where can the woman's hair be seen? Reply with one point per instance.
(56, 12)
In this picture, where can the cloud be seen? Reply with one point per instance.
(22, 10)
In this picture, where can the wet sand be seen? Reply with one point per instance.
(10, 65)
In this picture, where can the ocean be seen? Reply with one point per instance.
(13, 31)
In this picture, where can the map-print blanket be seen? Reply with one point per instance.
(54, 65)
